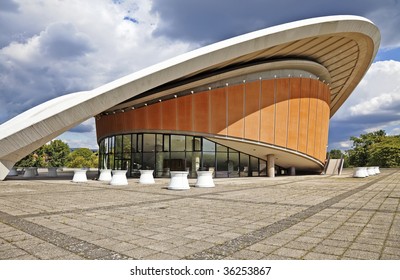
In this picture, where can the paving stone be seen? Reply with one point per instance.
(330, 250)
(300, 245)
(290, 252)
(361, 255)
(247, 255)
(389, 257)
(366, 247)
(140, 253)
(263, 248)
(162, 256)
(320, 256)
(391, 251)
(12, 253)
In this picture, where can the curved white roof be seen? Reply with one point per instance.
(344, 45)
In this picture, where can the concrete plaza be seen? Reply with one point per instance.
(300, 217)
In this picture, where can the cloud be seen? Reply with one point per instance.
(209, 21)
(8, 6)
(374, 104)
(62, 41)
(85, 127)
(72, 45)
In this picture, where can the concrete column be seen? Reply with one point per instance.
(292, 171)
(5, 167)
(159, 161)
(271, 165)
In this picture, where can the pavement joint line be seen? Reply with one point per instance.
(232, 246)
(175, 197)
(391, 226)
(42, 214)
(77, 246)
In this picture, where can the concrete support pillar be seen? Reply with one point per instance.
(271, 165)
(292, 171)
(5, 167)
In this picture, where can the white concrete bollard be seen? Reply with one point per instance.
(146, 177)
(79, 176)
(359, 172)
(179, 180)
(52, 172)
(119, 178)
(105, 175)
(204, 179)
(377, 171)
(371, 171)
(30, 172)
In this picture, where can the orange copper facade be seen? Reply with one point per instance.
(291, 113)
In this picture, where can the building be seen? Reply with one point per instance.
(252, 105)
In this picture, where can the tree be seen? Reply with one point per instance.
(336, 154)
(57, 152)
(53, 154)
(386, 153)
(35, 159)
(82, 157)
(360, 154)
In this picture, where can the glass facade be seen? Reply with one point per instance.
(171, 152)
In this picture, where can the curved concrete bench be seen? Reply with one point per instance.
(105, 175)
(204, 179)
(119, 178)
(79, 176)
(179, 180)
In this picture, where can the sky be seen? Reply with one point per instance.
(53, 47)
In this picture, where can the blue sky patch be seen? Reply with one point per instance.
(131, 19)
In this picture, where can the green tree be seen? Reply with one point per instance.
(35, 159)
(336, 154)
(386, 153)
(360, 154)
(82, 157)
(57, 153)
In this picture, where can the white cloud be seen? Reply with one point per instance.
(377, 94)
(346, 144)
(395, 130)
(374, 105)
(84, 135)
(57, 47)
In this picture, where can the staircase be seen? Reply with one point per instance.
(334, 166)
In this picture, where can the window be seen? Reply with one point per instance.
(208, 146)
(177, 143)
(166, 143)
(149, 142)
(164, 153)
(197, 144)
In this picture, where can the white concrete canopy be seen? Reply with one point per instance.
(352, 43)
